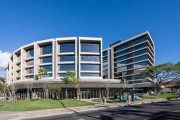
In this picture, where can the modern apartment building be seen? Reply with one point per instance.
(125, 60)
(122, 61)
(107, 63)
(57, 55)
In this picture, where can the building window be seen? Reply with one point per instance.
(120, 58)
(140, 52)
(137, 77)
(62, 75)
(120, 53)
(65, 67)
(90, 74)
(46, 60)
(120, 64)
(105, 67)
(105, 53)
(141, 64)
(140, 46)
(90, 58)
(120, 47)
(68, 47)
(140, 58)
(30, 53)
(105, 58)
(90, 67)
(47, 49)
(30, 62)
(139, 40)
(49, 75)
(30, 77)
(90, 47)
(67, 58)
(30, 70)
(47, 67)
(120, 69)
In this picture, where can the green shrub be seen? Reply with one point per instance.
(163, 93)
(173, 97)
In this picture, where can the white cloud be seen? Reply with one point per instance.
(4, 58)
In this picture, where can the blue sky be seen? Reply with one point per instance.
(26, 21)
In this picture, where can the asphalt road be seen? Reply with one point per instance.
(167, 110)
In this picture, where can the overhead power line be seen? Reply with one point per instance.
(174, 58)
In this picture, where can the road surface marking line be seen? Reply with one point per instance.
(162, 115)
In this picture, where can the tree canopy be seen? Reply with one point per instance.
(2, 79)
(71, 78)
(41, 73)
(161, 73)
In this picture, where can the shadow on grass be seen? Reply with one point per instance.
(62, 103)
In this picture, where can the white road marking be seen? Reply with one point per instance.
(162, 115)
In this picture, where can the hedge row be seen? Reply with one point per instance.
(174, 97)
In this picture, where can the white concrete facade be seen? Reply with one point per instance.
(25, 61)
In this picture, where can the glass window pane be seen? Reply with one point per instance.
(120, 47)
(139, 40)
(47, 49)
(90, 47)
(90, 74)
(105, 53)
(90, 67)
(67, 58)
(65, 67)
(67, 47)
(47, 67)
(90, 58)
(46, 60)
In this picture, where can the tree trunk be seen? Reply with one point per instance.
(47, 94)
(107, 92)
(28, 95)
(66, 91)
(79, 92)
(44, 92)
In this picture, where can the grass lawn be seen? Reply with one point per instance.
(27, 105)
(163, 95)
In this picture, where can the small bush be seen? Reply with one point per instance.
(173, 97)
(163, 93)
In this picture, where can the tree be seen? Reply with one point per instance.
(55, 90)
(29, 86)
(76, 83)
(177, 86)
(2, 87)
(67, 80)
(42, 73)
(2, 80)
(161, 73)
(72, 79)
(13, 89)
